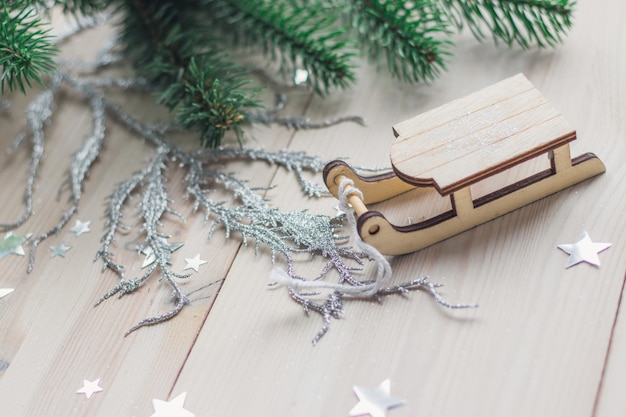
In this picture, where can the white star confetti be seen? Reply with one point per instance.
(375, 402)
(80, 227)
(300, 77)
(12, 244)
(150, 258)
(5, 291)
(194, 263)
(173, 408)
(90, 387)
(584, 250)
(59, 250)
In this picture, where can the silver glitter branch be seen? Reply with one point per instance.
(5, 106)
(331, 309)
(245, 213)
(79, 25)
(298, 162)
(38, 113)
(114, 213)
(82, 160)
(300, 123)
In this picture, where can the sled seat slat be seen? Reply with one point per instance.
(469, 139)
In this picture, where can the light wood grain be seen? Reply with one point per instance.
(545, 341)
(470, 138)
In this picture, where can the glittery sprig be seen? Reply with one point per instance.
(80, 165)
(300, 123)
(348, 286)
(248, 215)
(79, 24)
(5, 105)
(38, 113)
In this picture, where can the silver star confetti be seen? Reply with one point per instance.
(5, 291)
(90, 387)
(59, 250)
(80, 227)
(194, 263)
(375, 402)
(300, 77)
(584, 250)
(12, 244)
(150, 258)
(173, 408)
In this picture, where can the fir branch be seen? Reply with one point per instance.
(298, 36)
(407, 33)
(26, 49)
(522, 22)
(169, 47)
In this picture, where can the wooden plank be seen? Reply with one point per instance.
(537, 345)
(534, 347)
(51, 336)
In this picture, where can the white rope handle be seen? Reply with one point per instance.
(383, 272)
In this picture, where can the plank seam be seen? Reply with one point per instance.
(608, 350)
(237, 251)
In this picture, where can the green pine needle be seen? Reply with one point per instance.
(212, 104)
(298, 36)
(169, 47)
(521, 22)
(26, 51)
(407, 33)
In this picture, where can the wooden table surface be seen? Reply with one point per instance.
(545, 340)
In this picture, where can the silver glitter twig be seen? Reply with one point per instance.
(116, 203)
(301, 123)
(80, 24)
(38, 113)
(5, 105)
(246, 214)
(298, 162)
(82, 161)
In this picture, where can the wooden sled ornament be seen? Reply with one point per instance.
(457, 145)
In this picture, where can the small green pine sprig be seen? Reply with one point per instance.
(521, 22)
(169, 46)
(26, 50)
(298, 36)
(409, 34)
(212, 105)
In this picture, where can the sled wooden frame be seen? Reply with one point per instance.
(457, 145)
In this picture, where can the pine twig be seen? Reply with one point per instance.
(521, 22)
(169, 47)
(408, 34)
(26, 50)
(297, 36)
